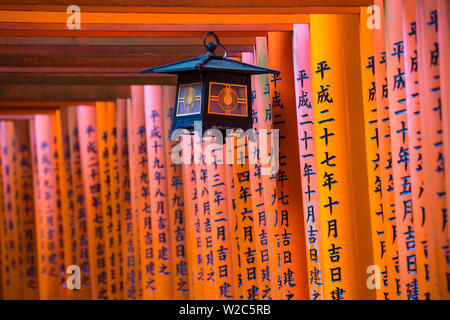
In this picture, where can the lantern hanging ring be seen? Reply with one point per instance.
(211, 47)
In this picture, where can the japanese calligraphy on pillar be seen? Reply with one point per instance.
(162, 248)
(221, 225)
(433, 143)
(261, 223)
(193, 244)
(17, 219)
(104, 152)
(416, 148)
(372, 151)
(328, 175)
(115, 239)
(46, 209)
(68, 199)
(175, 202)
(3, 247)
(129, 222)
(308, 158)
(245, 220)
(57, 162)
(339, 132)
(400, 151)
(391, 275)
(263, 115)
(292, 253)
(141, 195)
(87, 135)
(444, 78)
(26, 210)
(235, 239)
(203, 222)
(9, 233)
(82, 247)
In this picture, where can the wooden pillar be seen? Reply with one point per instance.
(263, 113)
(81, 219)
(391, 276)
(87, 133)
(129, 219)
(114, 229)
(341, 157)
(372, 155)
(401, 165)
(157, 174)
(193, 235)
(308, 164)
(433, 146)
(27, 232)
(293, 271)
(176, 204)
(424, 266)
(46, 209)
(11, 255)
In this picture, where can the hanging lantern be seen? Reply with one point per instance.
(212, 89)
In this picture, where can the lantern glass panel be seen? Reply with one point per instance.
(227, 99)
(189, 100)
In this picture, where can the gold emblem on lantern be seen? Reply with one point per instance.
(189, 99)
(227, 99)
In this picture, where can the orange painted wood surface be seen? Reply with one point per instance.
(203, 222)
(46, 209)
(176, 202)
(193, 235)
(115, 240)
(308, 159)
(378, 227)
(293, 269)
(128, 221)
(68, 212)
(264, 122)
(82, 248)
(87, 135)
(11, 251)
(399, 133)
(391, 277)
(444, 53)
(433, 149)
(158, 191)
(420, 212)
(343, 192)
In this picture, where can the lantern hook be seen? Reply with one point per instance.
(211, 47)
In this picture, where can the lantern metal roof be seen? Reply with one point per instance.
(210, 62)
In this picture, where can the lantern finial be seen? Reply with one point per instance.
(211, 47)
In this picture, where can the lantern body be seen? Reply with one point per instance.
(219, 100)
(212, 90)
